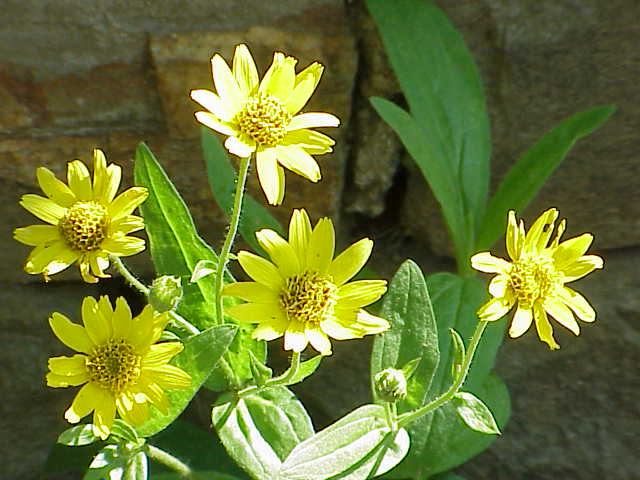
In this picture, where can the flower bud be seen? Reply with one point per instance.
(165, 293)
(391, 385)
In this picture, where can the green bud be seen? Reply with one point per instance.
(165, 293)
(391, 385)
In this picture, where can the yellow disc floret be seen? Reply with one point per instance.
(309, 297)
(114, 365)
(265, 119)
(534, 277)
(84, 226)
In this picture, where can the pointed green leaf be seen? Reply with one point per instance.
(356, 447)
(201, 352)
(222, 175)
(78, 435)
(260, 430)
(458, 353)
(413, 333)
(475, 413)
(305, 369)
(261, 373)
(137, 468)
(532, 170)
(122, 431)
(111, 462)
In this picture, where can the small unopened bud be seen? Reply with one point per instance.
(165, 293)
(391, 385)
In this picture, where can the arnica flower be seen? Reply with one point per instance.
(535, 279)
(302, 293)
(120, 365)
(87, 221)
(262, 117)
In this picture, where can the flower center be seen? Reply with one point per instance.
(533, 278)
(84, 226)
(309, 297)
(114, 365)
(264, 119)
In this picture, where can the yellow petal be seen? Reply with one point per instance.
(121, 320)
(132, 408)
(43, 208)
(545, 332)
(168, 377)
(339, 331)
(251, 292)
(280, 251)
(299, 234)
(562, 314)
(540, 232)
(513, 238)
(83, 403)
(106, 180)
(161, 353)
(280, 78)
(350, 261)
(125, 203)
(124, 225)
(370, 324)
(71, 334)
(256, 312)
(578, 304)
(104, 414)
(214, 104)
(319, 254)
(55, 380)
(270, 330)
(226, 86)
(521, 322)
(485, 262)
(495, 309)
(270, 175)
(98, 261)
(312, 142)
(79, 180)
(581, 267)
(313, 120)
(499, 285)
(55, 189)
(361, 293)
(85, 270)
(242, 145)
(156, 395)
(261, 270)
(318, 340)
(570, 250)
(96, 325)
(123, 246)
(35, 235)
(305, 84)
(295, 338)
(51, 259)
(298, 161)
(244, 70)
(68, 366)
(214, 123)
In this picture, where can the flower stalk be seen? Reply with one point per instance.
(129, 277)
(283, 379)
(169, 461)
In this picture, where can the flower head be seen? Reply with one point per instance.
(263, 117)
(120, 365)
(87, 222)
(304, 293)
(535, 279)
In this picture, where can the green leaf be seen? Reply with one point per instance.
(260, 430)
(524, 179)
(305, 369)
(261, 373)
(78, 435)
(356, 447)
(442, 86)
(458, 353)
(201, 352)
(175, 245)
(111, 462)
(137, 468)
(203, 268)
(413, 334)
(441, 441)
(222, 175)
(475, 413)
(121, 430)
(196, 475)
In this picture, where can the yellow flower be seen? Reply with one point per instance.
(304, 294)
(120, 365)
(534, 281)
(262, 117)
(87, 221)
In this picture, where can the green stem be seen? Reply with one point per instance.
(183, 323)
(409, 417)
(283, 379)
(391, 413)
(129, 277)
(169, 460)
(223, 259)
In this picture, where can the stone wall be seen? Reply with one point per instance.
(75, 75)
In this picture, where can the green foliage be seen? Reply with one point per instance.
(475, 413)
(358, 446)
(447, 129)
(201, 352)
(78, 436)
(530, 172)
(221, 175)
(118, 462)
(260, 430)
